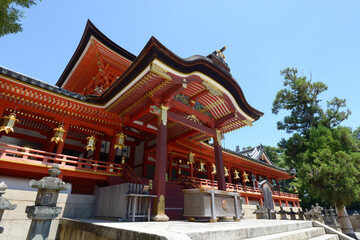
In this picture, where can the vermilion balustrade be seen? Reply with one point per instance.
(28, 155)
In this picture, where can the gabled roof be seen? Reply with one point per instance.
(257, 153)
(91, 33)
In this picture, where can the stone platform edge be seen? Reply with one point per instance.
(68, 228)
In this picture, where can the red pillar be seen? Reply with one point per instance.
(219, 162)
(247, 200)
(160, 167)
(170, 165)
(112, 150)
(132, 156)
(97, 149)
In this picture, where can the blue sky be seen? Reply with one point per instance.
(262, 38)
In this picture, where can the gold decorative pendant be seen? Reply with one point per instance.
(90, 145)
(8, 123)
(59, 134)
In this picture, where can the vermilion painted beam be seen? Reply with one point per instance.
(188, 110)
(141, 127)
(138, 114)
(173, 92)
(133, 134)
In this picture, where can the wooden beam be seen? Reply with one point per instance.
(138, 114)
(133, 134)
(188, 110)
(141, 127)
(193, 125)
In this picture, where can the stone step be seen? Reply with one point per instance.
(299, 234)
(326, 237)
(275, 227)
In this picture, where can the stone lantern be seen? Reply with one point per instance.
(4, 203)
(45, 208)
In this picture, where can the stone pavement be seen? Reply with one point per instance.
(184, 230)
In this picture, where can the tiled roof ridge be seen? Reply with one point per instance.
(249, 158)
(35, 82)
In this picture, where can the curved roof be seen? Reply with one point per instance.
(155, 50)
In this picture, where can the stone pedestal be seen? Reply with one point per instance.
(45, 204)
(211, 203)
(4, 203)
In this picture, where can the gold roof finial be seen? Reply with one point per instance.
(220, 53)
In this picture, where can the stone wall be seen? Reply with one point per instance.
(16, 224)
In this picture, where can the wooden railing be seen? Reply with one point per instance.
(33, 156)
(194, 182)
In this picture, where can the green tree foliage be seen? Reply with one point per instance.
(10, 15)
(301, 97)
(356, 133)
(326, 156)
(331, 165)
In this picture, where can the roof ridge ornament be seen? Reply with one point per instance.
(220, 54)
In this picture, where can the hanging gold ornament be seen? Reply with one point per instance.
(236, 173)
(245, 177)
(90, 145)
(120, 140)
(202, 169)
(226, 171)
(213, 168)
(191, 158)
(8, 123)
(59, 134)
